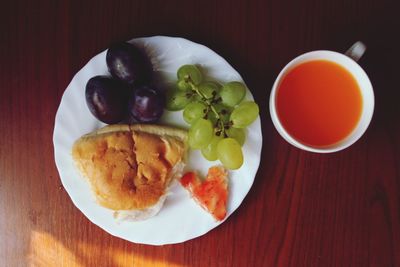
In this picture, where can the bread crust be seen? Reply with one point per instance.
(147, 128)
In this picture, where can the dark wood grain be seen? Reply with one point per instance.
(305, 209)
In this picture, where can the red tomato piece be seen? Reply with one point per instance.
(212, 193)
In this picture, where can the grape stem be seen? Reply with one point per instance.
(209, 103)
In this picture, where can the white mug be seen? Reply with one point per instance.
(348, 61)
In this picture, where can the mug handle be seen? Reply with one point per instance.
(356, 51)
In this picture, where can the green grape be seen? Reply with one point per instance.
(190, 71)
(217, 84)
(176, 99)
(232, 93)
(200, 134)
(223, 111)
(208, 89)
(243, 115)
(210, 151)
(237, 134)
(193, 111)
(230, 153)
(211, 116)
(183, 85)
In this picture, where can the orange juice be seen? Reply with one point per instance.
(319, 103)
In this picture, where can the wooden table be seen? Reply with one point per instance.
(305, 209)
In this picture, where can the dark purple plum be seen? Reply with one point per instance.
(129, 64)
(107, 99)
(146, 104)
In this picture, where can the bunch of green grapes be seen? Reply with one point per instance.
(216, 113)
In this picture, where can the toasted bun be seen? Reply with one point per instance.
(130, 167)
(143, 214)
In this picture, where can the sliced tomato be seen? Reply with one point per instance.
(212, 193)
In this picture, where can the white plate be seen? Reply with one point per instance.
(181, 218)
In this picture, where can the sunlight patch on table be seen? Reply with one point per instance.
(45, 250)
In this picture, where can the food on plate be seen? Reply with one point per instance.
(216, 113)
(106, 99)
(232, 93)
(212, 193)
(209, 89)
(244, 114)
(200, 134)
(223, 114)
(177, 99)
(193, 111)
(147, 104)
(129, 94)
(210, 151)
(230, 153)
(238, 134)
(128, 63)
(129, 167)
(191, 71)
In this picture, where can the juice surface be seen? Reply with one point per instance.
(319, 103)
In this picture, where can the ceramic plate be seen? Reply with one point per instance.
(181, 218)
